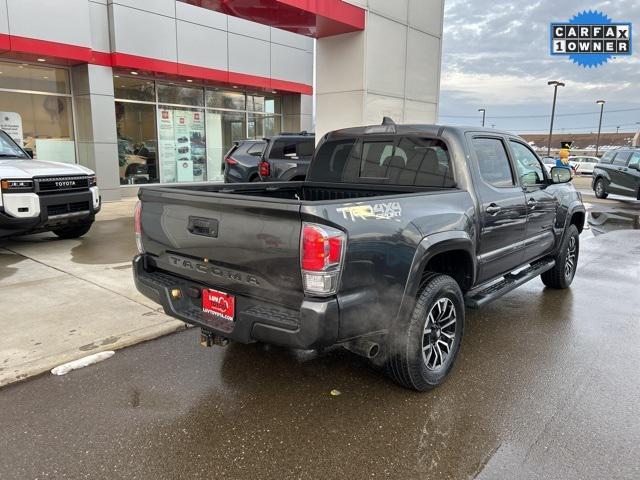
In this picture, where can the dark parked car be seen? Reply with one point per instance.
(241, 162)
(287, 157)
(618, 172)
(395, 229)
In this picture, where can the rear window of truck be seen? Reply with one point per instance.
(401, 161)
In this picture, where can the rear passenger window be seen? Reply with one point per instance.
(403, 161)
(635, 161)
(293, 148)
(607, 157)
(621, 158)
(256, 149)
(493, 162)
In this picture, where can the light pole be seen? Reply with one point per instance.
(484, 112)
(555, 84)
(617, 130)
(601, 103)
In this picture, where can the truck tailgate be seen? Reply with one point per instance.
(229, 242)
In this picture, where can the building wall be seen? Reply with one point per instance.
(183, 36)
(392, 68)
(153, 37)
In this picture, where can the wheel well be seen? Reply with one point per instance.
(455, 263)
(253, 176)
(577, 219)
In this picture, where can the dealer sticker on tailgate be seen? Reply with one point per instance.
(219, 304)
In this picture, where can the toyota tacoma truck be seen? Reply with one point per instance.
(394, 231)
(38, 196)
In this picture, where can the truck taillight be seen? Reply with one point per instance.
(322, 252)
(265, 169)
(137, 225)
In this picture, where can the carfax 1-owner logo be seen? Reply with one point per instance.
(591, 38)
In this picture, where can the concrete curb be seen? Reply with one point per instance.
(45, 364)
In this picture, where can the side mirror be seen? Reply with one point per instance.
(635, 166)
(560, 175)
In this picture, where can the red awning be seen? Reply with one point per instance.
(313, 18)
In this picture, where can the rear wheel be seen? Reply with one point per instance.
(600, 189)
(561, 275)
(424, 349)
(255, 178)
(72, 231)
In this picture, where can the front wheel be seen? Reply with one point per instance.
(600, 189)
(424, 349)
(561, 275)
(72, 231)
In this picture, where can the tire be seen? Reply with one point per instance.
(255, 178)
(411, 361)
(561, 275)
(73, 231)
(600, 189)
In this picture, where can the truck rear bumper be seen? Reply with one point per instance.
(314, 324)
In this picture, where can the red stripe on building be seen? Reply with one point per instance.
(101, 58)
(152, 65)
(5, 42)
(193, 71)
(313, 18)
(49, 49)
(66, 54)
(287, 86)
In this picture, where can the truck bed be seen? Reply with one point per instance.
(297, 192)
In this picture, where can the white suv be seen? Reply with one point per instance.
(37, 196)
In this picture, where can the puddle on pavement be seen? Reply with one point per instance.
(601, 222)
(7, 259)
(108, 242)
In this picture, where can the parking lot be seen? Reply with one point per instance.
(546, 384)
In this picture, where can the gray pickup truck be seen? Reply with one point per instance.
(394, 231)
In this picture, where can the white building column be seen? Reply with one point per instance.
(392, 68)
(96, 126)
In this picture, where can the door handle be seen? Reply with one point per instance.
(206, 227)
(493, 209)
(622, 169)
(532, 202)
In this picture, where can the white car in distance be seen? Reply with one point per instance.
(583, 165)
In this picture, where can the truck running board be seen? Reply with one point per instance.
(488, 293)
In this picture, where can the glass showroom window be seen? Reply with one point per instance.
(182, 144)
(264, 119)
(37, 110)
(169, 132)
(136, 128)
(223, 129)
(137, 146)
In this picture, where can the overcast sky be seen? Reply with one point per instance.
(496, 56)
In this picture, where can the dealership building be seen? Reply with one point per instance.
(146, 91)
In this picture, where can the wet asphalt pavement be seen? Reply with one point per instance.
(546, 386)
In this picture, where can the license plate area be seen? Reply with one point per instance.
(219, 304)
